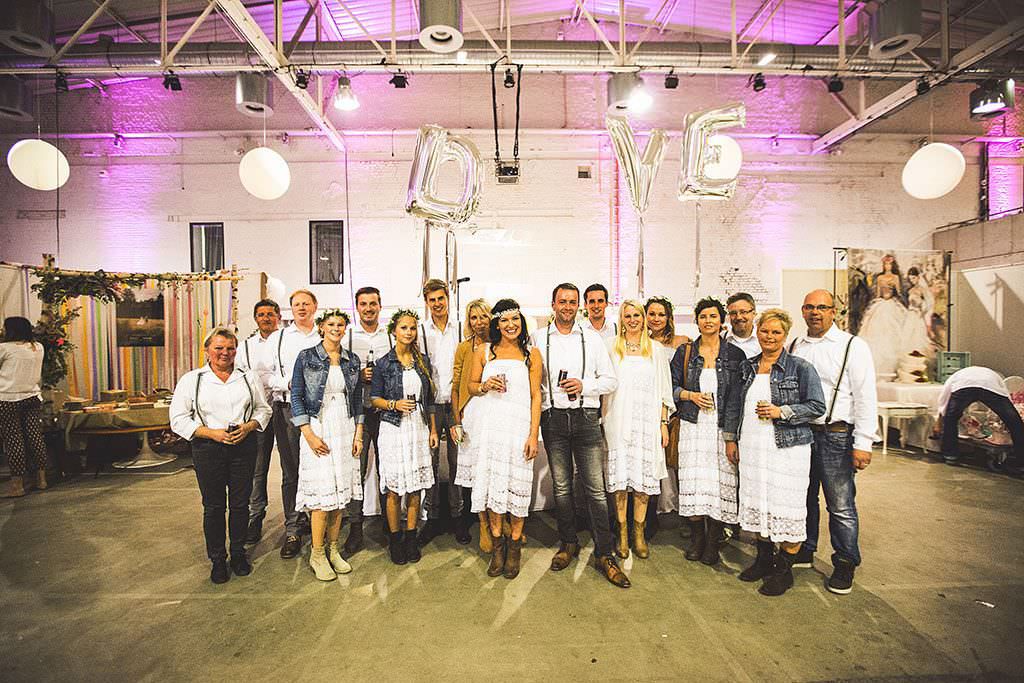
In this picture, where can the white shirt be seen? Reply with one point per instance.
(285, 346)
(749, 346)
(21, 366)
(257, 354)
(856, 402)
(220, 404)
(358, 341)
(973, 377)
(440, 348)
(610, 329)
(567, 354)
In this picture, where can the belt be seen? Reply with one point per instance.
(570, 410)
(832, 427)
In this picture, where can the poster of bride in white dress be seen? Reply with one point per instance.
(898, 305)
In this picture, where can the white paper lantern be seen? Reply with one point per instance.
(38, 164)
(276, 289)
(933, 171)
(264, 173)
(730, 158)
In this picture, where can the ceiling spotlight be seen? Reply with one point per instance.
(399, 80)
(671, 81)
(301, 79)
(344, 98)
(757, 82)
(626, 93)
(834, 84)
(767, 57)
(118, 140)
(60, 83)
(640, 100)
(172, 82)
(923, 85)
(992, 99)
(510, 80)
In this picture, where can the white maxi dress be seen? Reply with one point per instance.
(636, 458)
(707, 480)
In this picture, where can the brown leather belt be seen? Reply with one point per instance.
(832, 427)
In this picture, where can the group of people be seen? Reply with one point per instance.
(739, 426)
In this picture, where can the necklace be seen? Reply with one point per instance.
(632, 348)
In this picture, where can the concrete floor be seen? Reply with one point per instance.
(105, 579)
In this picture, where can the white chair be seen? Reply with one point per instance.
(894, 410)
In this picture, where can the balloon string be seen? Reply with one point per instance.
(640, 257)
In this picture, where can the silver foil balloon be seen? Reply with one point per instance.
(640, 169)
(435, 146)
(697, 153)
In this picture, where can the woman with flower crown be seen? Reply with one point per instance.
(327, 407)
(404, 394)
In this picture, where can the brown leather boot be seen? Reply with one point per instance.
(15, 488)
(41, 480)
(497, 566)
(566, 551)
(623, 548)
(486, 545)
(639, 542)
(514, 558)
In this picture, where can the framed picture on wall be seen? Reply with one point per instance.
(140, 318)
(326, 252)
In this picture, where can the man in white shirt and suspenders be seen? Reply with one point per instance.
(257, 355)
(369, 341)
(439, 336)
(842, 437)
(286, 344)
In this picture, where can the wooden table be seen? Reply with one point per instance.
(79, 426)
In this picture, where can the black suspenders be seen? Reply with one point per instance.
(547, 358)
(835, 387)
(280, 362)
(195, 401)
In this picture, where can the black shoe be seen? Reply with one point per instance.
(803, 559)
(431, 530)
(354, 542)
(255, 532)
(412, 546)
(219, 573)
(462, 530)
(781, 578)
(698, 539)
(762, 563)
(841, 581)
(292, 546)
(240, 564)
(396, 547)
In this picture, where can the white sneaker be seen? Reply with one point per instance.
(336, 560)
(321, 567)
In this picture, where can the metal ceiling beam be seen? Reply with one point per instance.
(121, 22)
(169, 59)
(963, 60)
(247, 26)
(78, 34)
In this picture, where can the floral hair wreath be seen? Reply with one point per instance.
(333, 313)
(397, 315)
(658, 299)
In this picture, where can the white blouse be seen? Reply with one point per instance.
(219, 404)
(21, 366)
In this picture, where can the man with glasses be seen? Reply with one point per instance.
(742, 311)
(842, 437)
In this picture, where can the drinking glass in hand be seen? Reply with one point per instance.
(411, 397)
(710, 396)
(504, 384)
(761, 405)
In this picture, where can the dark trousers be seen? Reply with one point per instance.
(575, 436)
(832, 471)
(443, 417)
(224, 472)
(288, 436)
(371, 430)
(21, 428)
(259, 499)
(1000, 405)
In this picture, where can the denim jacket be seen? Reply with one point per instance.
(796, 389)
(310, 378)
(727, 368)
(387, 384)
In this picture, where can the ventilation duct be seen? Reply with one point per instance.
(254, 95)
(15, 99)
(26, 26)
(441, 25)
(895, 29)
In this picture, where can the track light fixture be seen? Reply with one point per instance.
(60, 82)
(671, 81)
(301, 79)
(399, 80)
(757, 82)
(835, 85)
(923, 86)
(992, 99)
(510, 79)
(172, 82)
(344, 98)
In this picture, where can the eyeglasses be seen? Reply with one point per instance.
(820, 308)
(739, 312)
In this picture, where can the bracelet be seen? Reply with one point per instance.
(391, 404)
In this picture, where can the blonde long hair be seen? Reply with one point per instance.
(479, 305)
(645, 336)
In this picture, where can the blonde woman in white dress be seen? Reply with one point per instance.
(502, 424)
(636, 423)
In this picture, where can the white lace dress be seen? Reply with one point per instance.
(329, 482)
(636, 460)
(403, 452)
(497, 425)
(707, 480)
(773, 480)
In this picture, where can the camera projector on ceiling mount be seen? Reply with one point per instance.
(507, 172)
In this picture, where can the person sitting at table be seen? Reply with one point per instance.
(327, 407)
(21, 419)
(218, 408)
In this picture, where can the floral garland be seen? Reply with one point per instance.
(397, 315)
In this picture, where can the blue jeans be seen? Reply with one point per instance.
(575, 436)
(258, 499)
(832, 470)
(1000, 405)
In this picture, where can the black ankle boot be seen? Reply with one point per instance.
(412, 548)
(762, 563)
(396, 546)
(698, 539)
(780, 579)
(713, 542)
